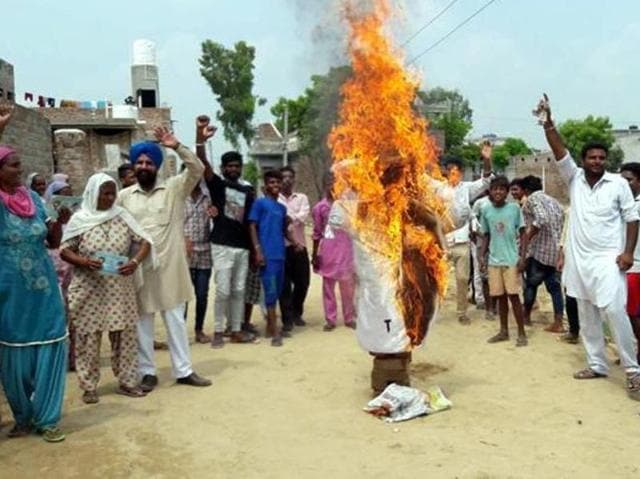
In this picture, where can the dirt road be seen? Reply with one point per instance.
(296, 412)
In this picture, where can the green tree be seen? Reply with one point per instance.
(298, 110)
(229, 73)
(313, 114)
(251, 173)
(510, 148)
(576, 133)
(469, 152)
(449, 111)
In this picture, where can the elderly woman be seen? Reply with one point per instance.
(37, 183)
(32, 324)
(101, 300)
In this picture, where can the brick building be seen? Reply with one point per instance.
(544, 166)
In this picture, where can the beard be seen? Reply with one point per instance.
(146, 179)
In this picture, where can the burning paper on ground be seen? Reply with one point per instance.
(401, 403)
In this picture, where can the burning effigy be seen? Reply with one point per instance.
(388, 199)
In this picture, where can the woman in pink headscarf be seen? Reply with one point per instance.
(33, 333)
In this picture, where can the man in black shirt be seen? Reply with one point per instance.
(230, 237)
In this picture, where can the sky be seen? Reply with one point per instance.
(583, 53)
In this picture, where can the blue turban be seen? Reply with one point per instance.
(149, 148)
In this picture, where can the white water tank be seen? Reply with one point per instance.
(144, 52)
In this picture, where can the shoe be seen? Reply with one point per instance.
(194, 380)
(202, 338)
(148, 383)
(351, 325)
(218, 341)
(329, 327)
(19, 430)
(633, 387)
(299, 322)
(276, 341)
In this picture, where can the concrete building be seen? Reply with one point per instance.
(7, 82)
(629, 141)
(267, 148)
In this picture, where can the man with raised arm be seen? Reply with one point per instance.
(603, 230)
(159, 208)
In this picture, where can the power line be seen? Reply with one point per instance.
(426, 25)
(458, 27)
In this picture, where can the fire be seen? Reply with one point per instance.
(391, 162)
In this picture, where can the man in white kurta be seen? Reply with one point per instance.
(159, 207)
(599, 249)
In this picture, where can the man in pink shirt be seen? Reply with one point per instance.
(297, 268)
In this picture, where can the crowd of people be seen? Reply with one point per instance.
(137, 245)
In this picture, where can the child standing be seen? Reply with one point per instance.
(503, 229)
(268, 225)
(332, 258)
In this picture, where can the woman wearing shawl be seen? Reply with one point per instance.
(98, 301)
(32, 322)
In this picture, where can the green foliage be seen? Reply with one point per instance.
(229, 73)
(469, 152)
(449, 111)
(511, 147)
(298, 109)
(576, 133)
(251, 173)
(313, 115)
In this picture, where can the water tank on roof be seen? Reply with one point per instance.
(144, 52)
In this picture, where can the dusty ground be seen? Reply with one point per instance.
(296, 412)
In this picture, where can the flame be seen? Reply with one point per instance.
(386, 157)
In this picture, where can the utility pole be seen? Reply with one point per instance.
(285, 149)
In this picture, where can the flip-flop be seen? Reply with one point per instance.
(498, 338)
(131, 392)
(588, 373)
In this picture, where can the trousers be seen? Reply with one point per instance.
(535, 274)
(329, 300)
(592, 321)
(177, 339)
(231, 266)
(124, 358)
(459, 257)
(200, 279)
(33, 378)
(297, 276)
(477, 275)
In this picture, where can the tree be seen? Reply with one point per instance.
(298, 109)
(229, 73)
(510, 148)
(251, 173)
(449, 111)
(576, 133)
(469, 152)
(313, 114)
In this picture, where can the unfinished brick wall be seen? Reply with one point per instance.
(534, 165)
(30, 134)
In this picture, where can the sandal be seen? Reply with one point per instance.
(588, 373)
(501, 336)
(555, 328)
(243, 338)
(134, 392)
(633, 386)
(522, 341)
(90, 397)
(19, 430)
(52, 434)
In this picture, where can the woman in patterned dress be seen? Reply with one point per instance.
(33, 349)
(102, 302)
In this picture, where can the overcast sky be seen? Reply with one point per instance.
(582, 52)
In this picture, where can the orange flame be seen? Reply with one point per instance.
(392, 162)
